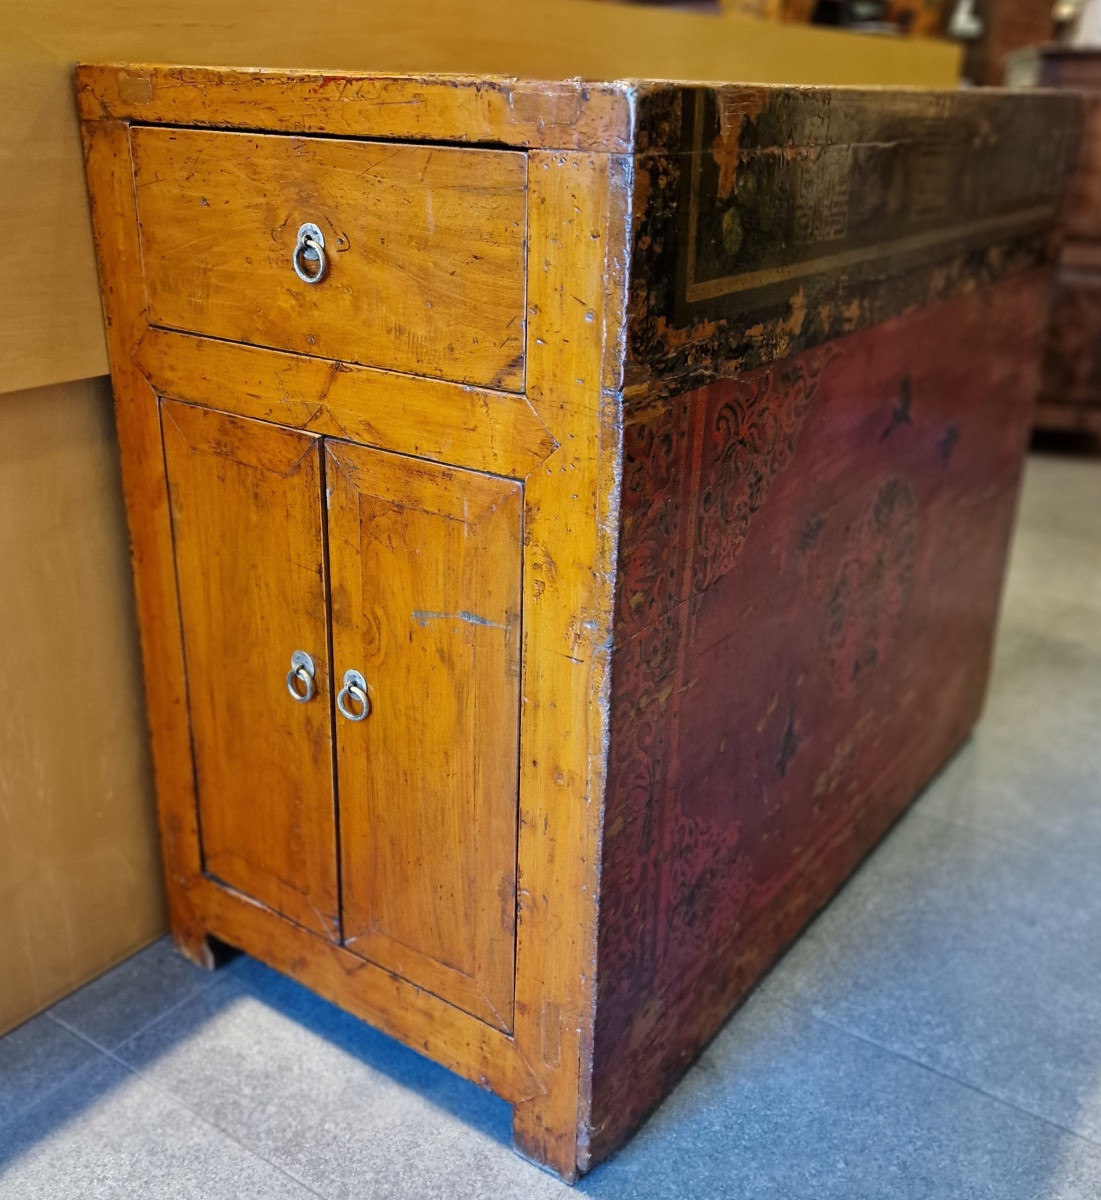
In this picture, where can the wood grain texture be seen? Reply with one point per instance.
(471, 427)
(424, 245)
(111, 194)
(250, 559)
(809, 571)
(578, 224)
(462, 1043)
(426, 606)
(514, 112)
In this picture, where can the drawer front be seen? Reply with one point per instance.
(424, 248)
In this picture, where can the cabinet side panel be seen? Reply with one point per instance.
(246, 514)
(809, 573)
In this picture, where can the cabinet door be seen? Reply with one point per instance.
(425, 567)
(248, 527)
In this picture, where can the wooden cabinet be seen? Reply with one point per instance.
(568, 525)
(274, 530)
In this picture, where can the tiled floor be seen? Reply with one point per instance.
(936, 1033)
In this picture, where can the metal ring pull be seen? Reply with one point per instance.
(310, 248)
(301, 672)
(355, 688)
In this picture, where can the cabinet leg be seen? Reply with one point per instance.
(546, 1137)
(202, 948)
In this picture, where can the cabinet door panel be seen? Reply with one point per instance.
(249, 539)
(426, 565)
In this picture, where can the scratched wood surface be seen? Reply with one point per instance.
(708, 589)
(473, 427)
(425, 248)
(50, 326)
(245, 495)
(428, 778)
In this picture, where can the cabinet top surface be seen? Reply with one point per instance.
(604, 115)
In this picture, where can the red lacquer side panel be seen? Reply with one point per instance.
(810, 567)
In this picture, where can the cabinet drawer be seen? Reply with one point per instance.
(424, 248)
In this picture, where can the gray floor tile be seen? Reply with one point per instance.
(34, 1059)
(975, 956)
(1028, 794)
(783, 1107)
(108, 1134)
(347, 1110)
(118, 1004)
(1033, 769)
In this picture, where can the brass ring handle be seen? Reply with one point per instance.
(355, 688)
(309, 247)
(301, 672)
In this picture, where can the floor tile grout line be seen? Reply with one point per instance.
(924, 1066)
(998, 839)
(217, 976)
(149, 1081)
(66, 1078)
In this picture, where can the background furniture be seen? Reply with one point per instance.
(1070, 395)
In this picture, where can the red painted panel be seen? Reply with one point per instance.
(810, 564)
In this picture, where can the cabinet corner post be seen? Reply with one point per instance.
(579, 208)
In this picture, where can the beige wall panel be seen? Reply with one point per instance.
(80, 884)
(50, 324)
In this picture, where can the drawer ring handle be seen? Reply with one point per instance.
(301, 672)
(354, 689)
(309, 247)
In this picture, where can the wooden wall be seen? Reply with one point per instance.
(79, 884)
(79, 872)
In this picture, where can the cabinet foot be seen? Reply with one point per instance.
(555, 1150)
(203, 949)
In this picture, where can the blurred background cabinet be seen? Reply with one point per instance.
(1070, 395)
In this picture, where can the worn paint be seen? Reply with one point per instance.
(803, 628)
(768, 221)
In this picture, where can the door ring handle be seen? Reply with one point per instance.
(309, 247)
(354, 689)
(301, 672)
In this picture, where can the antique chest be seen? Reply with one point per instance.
(568, 524)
